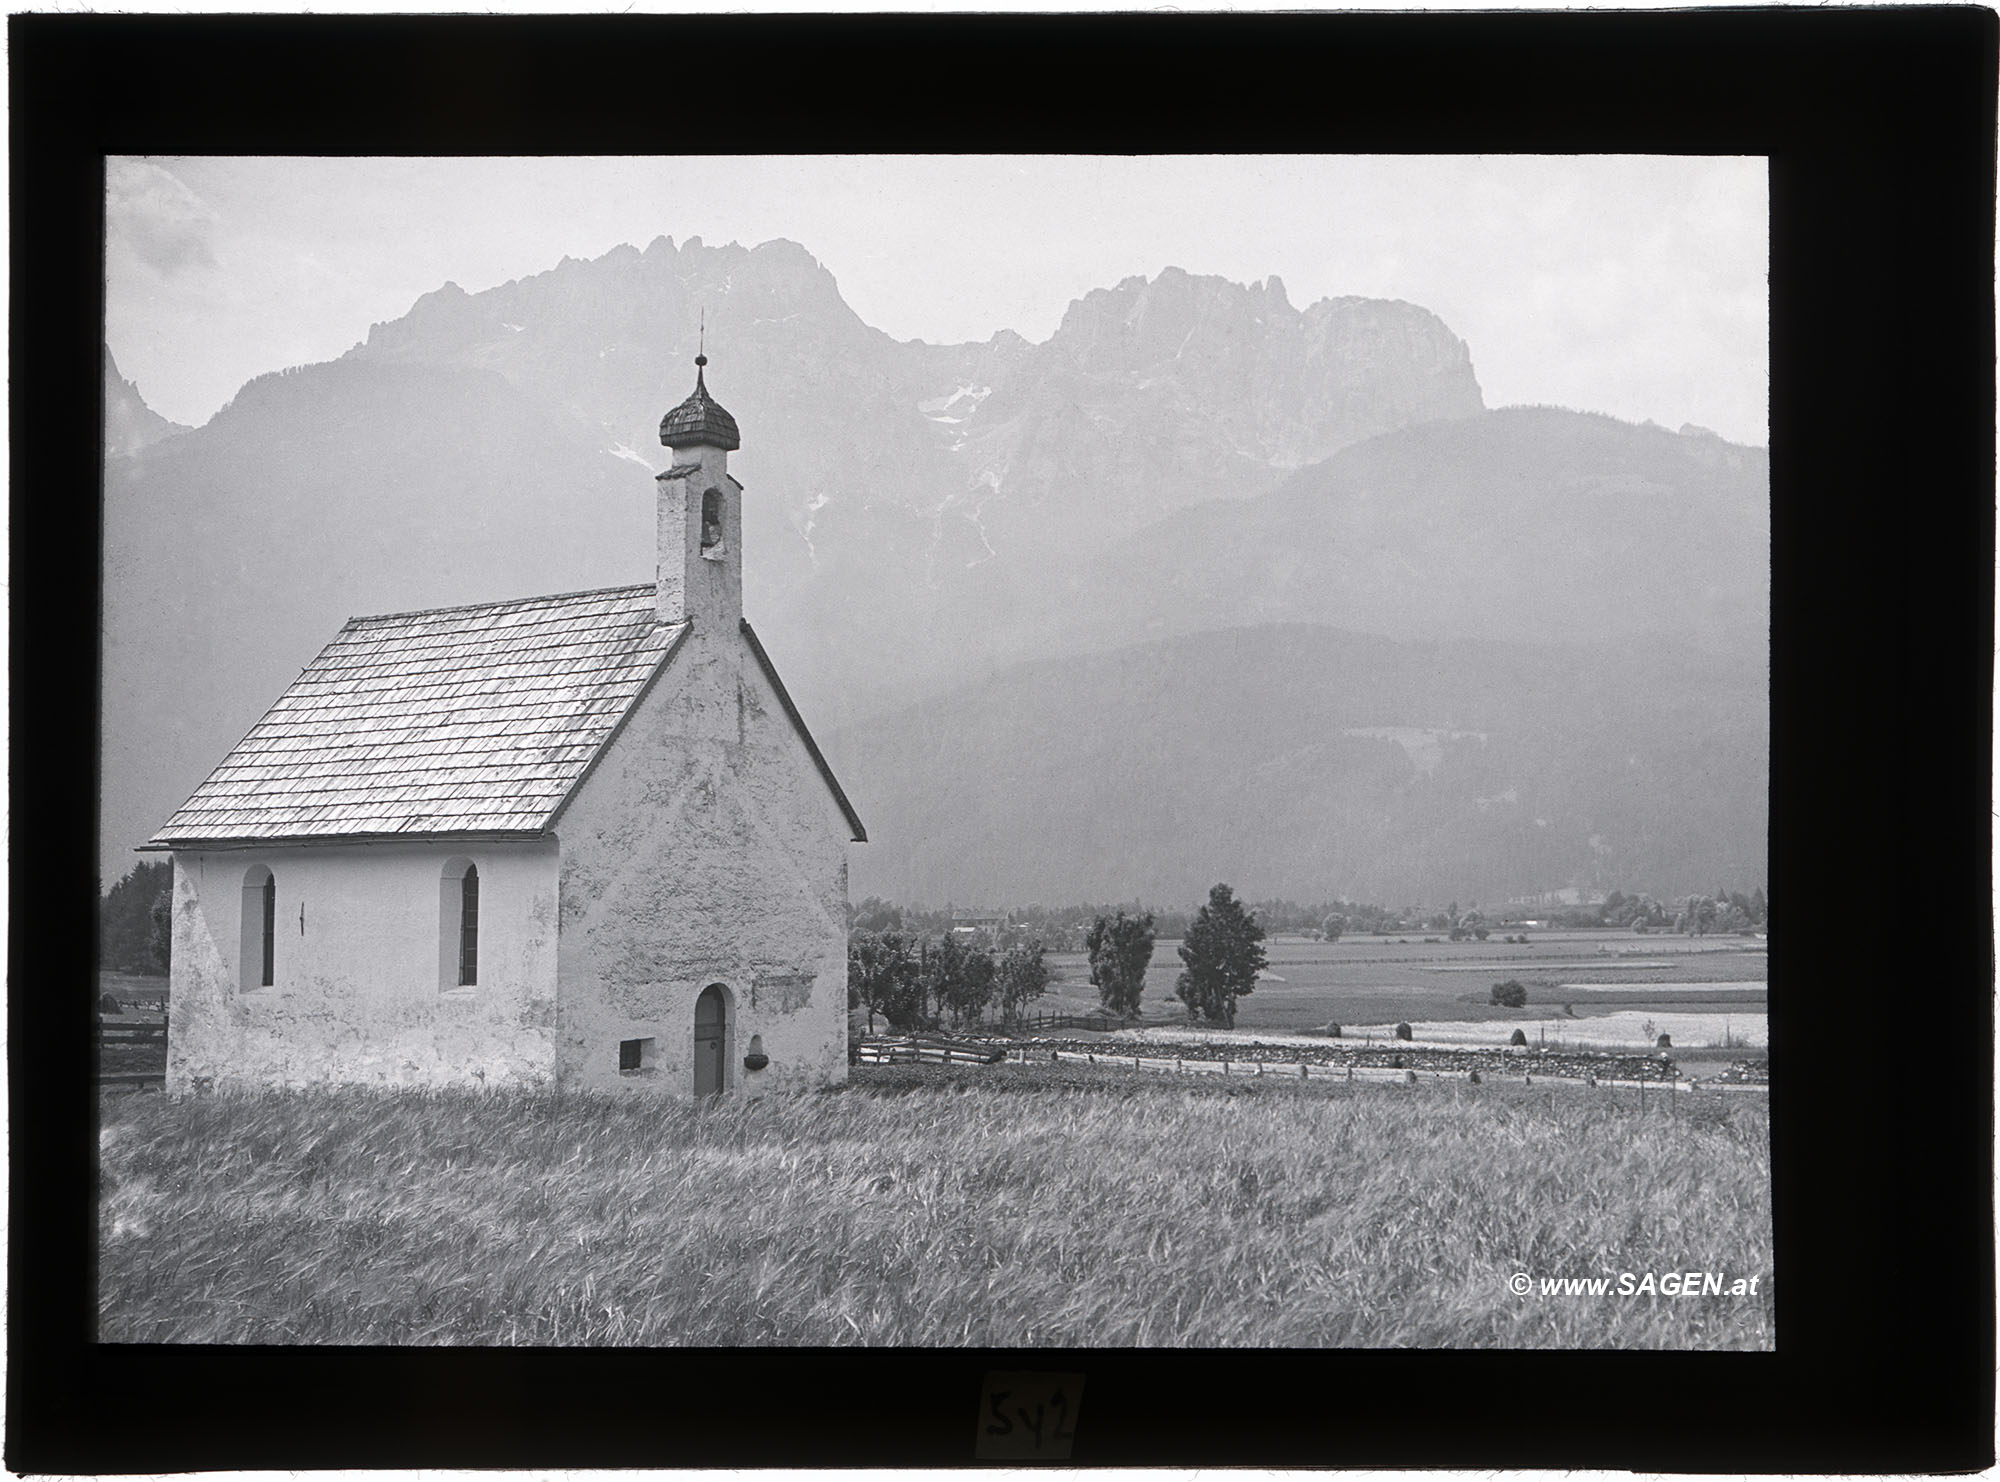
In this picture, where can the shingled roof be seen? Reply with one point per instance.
(462, 720)
(700, 421)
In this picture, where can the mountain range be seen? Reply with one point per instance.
(1194, 525)
(1293, 755)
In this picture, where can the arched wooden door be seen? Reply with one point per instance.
(711, 1038)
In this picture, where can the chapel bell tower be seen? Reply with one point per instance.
(700, 515)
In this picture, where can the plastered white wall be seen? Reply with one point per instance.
(706, 585)
(359, 996)
(704, 848)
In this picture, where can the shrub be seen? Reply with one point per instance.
(1333, 1030)
(1403, 1031)
(1510, 994)
(1519, 1038)
(109, 1004)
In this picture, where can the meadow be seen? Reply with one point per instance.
(1377, 981)
(1003, 1205)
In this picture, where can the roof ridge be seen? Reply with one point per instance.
(382, 617)
(405, 744)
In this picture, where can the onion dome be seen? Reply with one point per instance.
(700, 421)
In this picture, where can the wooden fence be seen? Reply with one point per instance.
(129, 1040)
(926, 1052)
(1667, 1086)
(1102, 1023)
(1038, 1023)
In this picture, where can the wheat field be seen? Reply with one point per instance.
(998, 1206)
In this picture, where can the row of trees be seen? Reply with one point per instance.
(1725, 911)
(927, 982)
(1221, 952)
(1068, 928)
(1057, 928)
(918, 982)
(135, 920)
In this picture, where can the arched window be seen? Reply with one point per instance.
(468, 928)
(257, 958)
(711, 522)
(458, 925)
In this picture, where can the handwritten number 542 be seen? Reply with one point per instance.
(1055, 1416)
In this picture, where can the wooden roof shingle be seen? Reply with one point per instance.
(478, 719)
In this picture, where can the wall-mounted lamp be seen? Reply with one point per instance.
(756, 1059)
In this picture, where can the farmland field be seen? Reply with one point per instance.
(1378, 981)
(997, 1205)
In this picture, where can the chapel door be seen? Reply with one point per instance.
(711, 1034)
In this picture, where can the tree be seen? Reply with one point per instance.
(876, 914)
(970, 988)
(1222, 955)
(939, 964)
(955, 980)
(1332, 927)
(160, 942)
(1121, 949)
(125, 919)
(1022, 978)
(1510, 994)
(882, 977)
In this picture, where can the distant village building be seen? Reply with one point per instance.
(979, 926)
(1569, 895)
(583, 839)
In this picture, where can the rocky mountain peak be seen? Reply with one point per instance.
(916, 511)
(129, 424)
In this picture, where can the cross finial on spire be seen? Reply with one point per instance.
(699, 421)
(701, 345)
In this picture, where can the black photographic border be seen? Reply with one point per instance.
(1879, 126)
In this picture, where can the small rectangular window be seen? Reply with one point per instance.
(633, 1054)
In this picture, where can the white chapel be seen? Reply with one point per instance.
(583, 840)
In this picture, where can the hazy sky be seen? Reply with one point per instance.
(1621, 284)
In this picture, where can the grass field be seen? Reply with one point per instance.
(1380, 980)
(1004, 1205)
